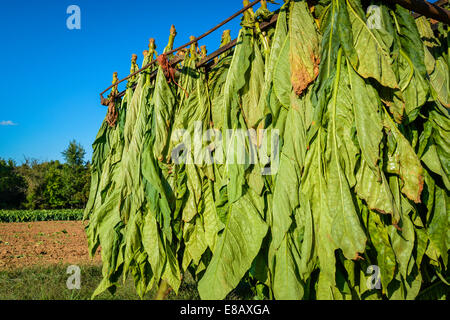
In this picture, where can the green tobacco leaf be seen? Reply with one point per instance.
(100, 153)
(414, 89)
(237, 158)
(155, 193)
(344, 30)
(432, 161)
(440, 121)
(216, 85)
(412, 68)
(330, 44)
(368, 120)
(314, 187)
(237, 246)
(195, 241)
(410, 39)
(190, 107)
(403, 161)
(212, 222)
(281, 78)
(194, 185)
(172, 273)
(346, 232)
(373, 54)
(153, 245)
(412, 284)
(437, 65)
(278, 40)
(108, 238)
(440, 80)
(379, 236)
(286, 194)
(132, 195)
(422, 244)
(236, 80)
(439, 226)
(287, 284)
(304, 239)
(394, 100)
(426, 33)
(164, 108)
(132, 243)
(376, 192)
(253, 89)
(402, 239)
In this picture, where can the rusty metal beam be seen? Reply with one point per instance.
(218, 52)
(206, 61)
(186, 44)
(429, 10)
(419, 7)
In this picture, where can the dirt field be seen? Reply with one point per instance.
(43, 243)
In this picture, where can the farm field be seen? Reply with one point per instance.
(27, 244)
(34, 257)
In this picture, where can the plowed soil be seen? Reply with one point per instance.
(44, 243)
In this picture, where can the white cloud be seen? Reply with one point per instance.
(7, 123)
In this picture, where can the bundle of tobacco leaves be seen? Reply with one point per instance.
(311, 161)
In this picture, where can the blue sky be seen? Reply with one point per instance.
(51, 76)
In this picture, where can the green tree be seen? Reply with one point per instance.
(38, 175)
(76, 184)
(12, 186)
(75, 176)
(54, 187)
(74, 154)
(52, 184)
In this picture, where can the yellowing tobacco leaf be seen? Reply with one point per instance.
(304, 50)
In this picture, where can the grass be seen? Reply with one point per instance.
(49, 283)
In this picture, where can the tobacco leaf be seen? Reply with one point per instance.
(304, 47)
(237, 246)
(372, 48)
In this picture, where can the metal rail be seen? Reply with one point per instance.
(206, 60)
(185, 45)
(420, 7)
(429, 10)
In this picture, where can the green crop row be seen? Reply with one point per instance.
(40, 215)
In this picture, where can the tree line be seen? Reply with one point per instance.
(46, 185)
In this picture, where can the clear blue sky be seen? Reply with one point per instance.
(51, 76)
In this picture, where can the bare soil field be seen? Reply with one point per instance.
(44, 243)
